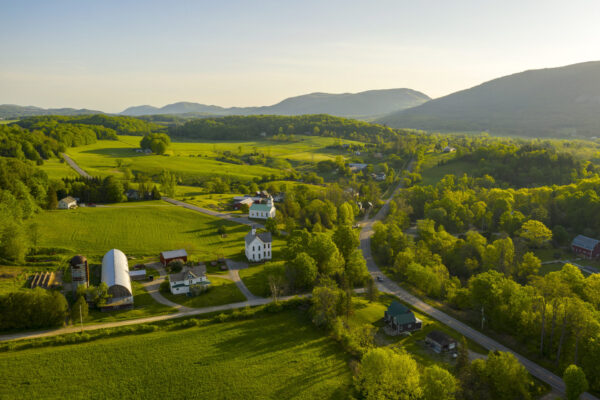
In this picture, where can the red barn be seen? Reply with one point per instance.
(586, 247)
(167, 256)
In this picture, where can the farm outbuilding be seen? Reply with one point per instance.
(67, 203)
(440, 342)
(80, 272)
(586, 247)
(168, 256)
(115, 273)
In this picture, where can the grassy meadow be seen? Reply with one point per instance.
(57, 170)
(278, 356)
(196, 158)
(139, 229)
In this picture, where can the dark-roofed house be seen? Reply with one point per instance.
(187, 279)
(440, 342)
(167, 256)
(400, 318)
(258, 245)
(586, 247)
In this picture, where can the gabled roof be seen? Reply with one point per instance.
(261, 207)
(69, 199)
(440, 338)
(402, 314)
(585, 242)
(188, 273)
(264, 237)
(167, 255)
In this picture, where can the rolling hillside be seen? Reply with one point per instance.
(11, 111)
(553, 102)
(365, 105)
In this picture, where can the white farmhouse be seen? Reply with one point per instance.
(263, 211)
(67, 203)
(258, 246)
(181, 282)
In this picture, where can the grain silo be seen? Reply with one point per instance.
(80, 272)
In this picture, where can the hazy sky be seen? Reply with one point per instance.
(108, 55)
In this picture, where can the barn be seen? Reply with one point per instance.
(115, 273)
(167, 256)
(586, 247)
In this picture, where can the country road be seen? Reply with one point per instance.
(230, 217)
(389, 286)
(74, 165)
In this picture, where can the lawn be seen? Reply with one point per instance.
(144, 306)
(431, 172)
(139, 229)
(57, 170)
(278, 356)
(196, 158)
(222, 291)
(256, 280)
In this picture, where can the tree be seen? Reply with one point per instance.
(385, 374)
(157, 142)
(575, 382)
(112, 189)
(355, 270)
(14, 243)
(346, 240)
(275, 285)
(80, 306)
(438, 384)
(51, 200)
(507, 377)
(528, 267)
(462, 361)
(271, 226)
(372, 290)
(155, 193)
(326, 304)
(536, 232)
(301, 272)
(168, 182)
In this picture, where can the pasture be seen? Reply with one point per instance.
(139, 230)
(279, 356)
(196, 159)
(57, 170)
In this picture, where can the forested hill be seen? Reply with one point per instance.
(364, 105)
(11, 111)
(257, 126)
(555, 102)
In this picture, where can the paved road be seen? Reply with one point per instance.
(389, 286)
(583, 268)
(74, 165)
(230, 217)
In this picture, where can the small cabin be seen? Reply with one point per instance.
(440, 342)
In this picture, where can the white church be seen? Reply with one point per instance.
(258, 246)
(262, 211)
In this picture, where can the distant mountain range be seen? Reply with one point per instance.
(365, 105)
(11, 111)
(554, 102)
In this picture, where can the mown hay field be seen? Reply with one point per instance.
(279, 356)
(140, 230)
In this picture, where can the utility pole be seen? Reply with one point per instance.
(80, 318)
(482, 317)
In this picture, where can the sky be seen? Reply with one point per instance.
(108, 55)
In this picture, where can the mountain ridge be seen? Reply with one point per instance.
(549, 102)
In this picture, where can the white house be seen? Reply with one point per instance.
(181, 282)
(449, 149)
(67, 203)
(263, 211)
(258, 246)
(355, 167)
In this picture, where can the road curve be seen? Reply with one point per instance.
(389, 286)
(76, 167)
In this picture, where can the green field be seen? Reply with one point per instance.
(57, 170)
(256, 280)
(278, 356)
(195, 158)
(138, 230)
(7, 121)
(222, 291)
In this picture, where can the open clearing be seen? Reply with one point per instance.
(196, 158)
(278, 356)
(57, 170)
(139, 230)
